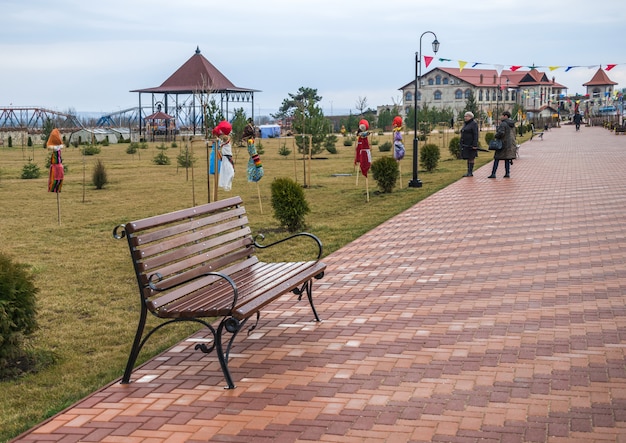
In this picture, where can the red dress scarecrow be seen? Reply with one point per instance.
(363, 153)
(57, 172)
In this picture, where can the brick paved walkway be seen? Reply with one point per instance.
(493, 311)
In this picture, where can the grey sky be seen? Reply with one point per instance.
(87, 56)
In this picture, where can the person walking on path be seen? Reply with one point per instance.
(578, 118)
(506, 133)
(469, 142)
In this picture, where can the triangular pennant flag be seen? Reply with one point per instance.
(499, 69)
(552, 68)
(427, 60)
(476, 64)
(570, 67)
(609, 67)
(445, 59)
(514, 68)
(461, 65)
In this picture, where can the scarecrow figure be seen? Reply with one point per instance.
(398, 146)
(57, 172)
(227, 166)
(255, 168)
(363, 153)
(248, 131)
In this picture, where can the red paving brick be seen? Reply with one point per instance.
(492, 311)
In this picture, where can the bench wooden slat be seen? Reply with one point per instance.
(159, 220)
(195, 244)
(182, 235)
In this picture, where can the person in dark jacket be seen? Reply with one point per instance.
(469, 142)
(578, 120)
(506, 133)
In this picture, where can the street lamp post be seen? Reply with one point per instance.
(416, 182)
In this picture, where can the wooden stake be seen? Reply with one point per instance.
(400, 168)
(58, 208)
(216, 170)
(367, 189)
(258, 191)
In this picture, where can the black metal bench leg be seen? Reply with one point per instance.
(226, 323)
(134, 351)
(308, 288)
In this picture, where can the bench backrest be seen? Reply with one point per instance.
(174, 248)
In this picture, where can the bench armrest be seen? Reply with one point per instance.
(261, 237)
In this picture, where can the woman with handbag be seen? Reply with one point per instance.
(505, 133)
(469, 142)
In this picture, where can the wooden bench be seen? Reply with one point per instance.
(199, 265)
(536, 133)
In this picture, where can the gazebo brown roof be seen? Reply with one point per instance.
(196, 75)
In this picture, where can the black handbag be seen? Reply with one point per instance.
(495, 144)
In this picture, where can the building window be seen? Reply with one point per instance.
(430, 82)
(419, 96)
(468, 93)
(445, 81)
(480, 95)
(458, 94)
(408, 97)
(437, 95)
(438, 80)
(596, 92)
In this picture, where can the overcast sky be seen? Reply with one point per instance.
(87, 55)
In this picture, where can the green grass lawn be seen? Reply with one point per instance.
(88, 301)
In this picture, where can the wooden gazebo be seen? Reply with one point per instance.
(160, 124)
(187, 90)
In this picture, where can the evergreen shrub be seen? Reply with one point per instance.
(289, 204)
(386, 173)
(17, 312)
(429, 156)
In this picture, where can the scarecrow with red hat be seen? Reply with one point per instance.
(57, 171)
(363, 153)
(398, 146)
(227, 167)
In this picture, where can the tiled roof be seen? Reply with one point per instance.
(196, 74)
(490, 77)
(599, 79)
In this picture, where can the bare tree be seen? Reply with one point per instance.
(361, 105)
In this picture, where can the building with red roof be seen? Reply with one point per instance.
(493, 91)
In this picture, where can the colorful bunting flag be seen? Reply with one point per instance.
(461, 65)
(427, 60)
